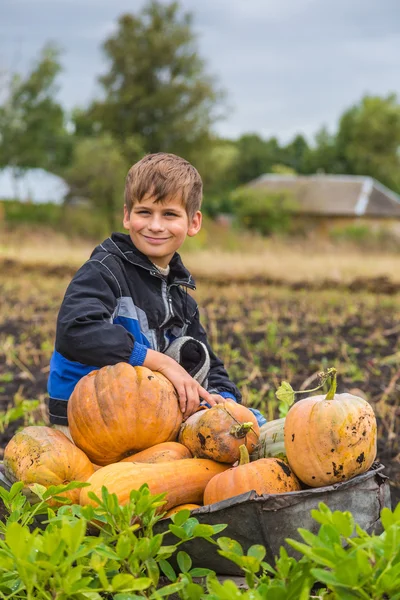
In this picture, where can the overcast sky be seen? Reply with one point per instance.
(287, 66)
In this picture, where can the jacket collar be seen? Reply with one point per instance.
(120, 244)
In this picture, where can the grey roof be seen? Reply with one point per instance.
(336, 195)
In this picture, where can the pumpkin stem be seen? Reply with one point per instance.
(244, 457)
(332, 390)
(233, 429)
(241, 430)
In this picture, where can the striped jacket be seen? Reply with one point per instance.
(117, 306)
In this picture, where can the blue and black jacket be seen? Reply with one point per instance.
(117, 306)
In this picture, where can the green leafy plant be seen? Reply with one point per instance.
(119, 557)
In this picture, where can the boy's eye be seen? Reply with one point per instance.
(170, 214)
(143, 212)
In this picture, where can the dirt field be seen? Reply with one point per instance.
(265, 330)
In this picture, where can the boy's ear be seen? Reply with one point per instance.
(126, 217)
(195, 224)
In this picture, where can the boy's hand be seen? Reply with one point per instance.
(220, 399)
(190, 392)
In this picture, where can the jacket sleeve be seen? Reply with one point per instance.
(85, 330)
(218, 379)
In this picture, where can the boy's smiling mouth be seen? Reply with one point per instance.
(155, 240)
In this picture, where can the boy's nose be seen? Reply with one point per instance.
(156, 224)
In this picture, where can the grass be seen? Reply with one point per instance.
(221, 254)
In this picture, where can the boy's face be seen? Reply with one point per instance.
(158, 229)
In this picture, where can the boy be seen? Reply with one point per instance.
(129, 302)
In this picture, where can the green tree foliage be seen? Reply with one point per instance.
(156, 89)
(322, 157)
(368, 139)
(218, 171)
(293, 155)
(98, 172)
(32, 128)
(263, 211)
(256, 157)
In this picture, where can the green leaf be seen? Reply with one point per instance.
(167, 570)
(184, 561)
(200, 572)
(194, 591)
(257, 551)
(123, 547)
(285, 393)
(169, 589)
(225, 591)
(179, 532)
(228, 545)
(152, 570)
(387, 517)
(180, 517)
(203, 531)
(344, 522)
(130, 583)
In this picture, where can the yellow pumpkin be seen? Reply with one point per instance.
(39, 454)
(265, 476)
(330, 438)
(183, 481)
(165, 452)
(218, 432)
(177, 509)
(120, 410)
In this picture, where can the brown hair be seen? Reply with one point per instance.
(164, 175)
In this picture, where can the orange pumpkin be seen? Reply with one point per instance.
(183, 481)
(265, 476)
(218, 432)
(176, 509)
(39, 454)
(330, 438)
(164, 452)
(120, 410)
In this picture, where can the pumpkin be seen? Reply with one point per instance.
(120, 410)
(164, 452)
(265, 476)
(39, 454)
(330, 438)
(271, 442)
(176, 509)
(218, 432)
(183, 481)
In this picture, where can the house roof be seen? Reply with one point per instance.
(335, 195)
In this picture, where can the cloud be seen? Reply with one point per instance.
(288, 66)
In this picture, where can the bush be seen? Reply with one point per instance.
(72, 221)
(263, 211)
(364, 236)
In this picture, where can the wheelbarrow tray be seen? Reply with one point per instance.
(270, 519)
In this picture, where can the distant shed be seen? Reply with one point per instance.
(327, 201)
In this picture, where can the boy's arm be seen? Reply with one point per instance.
(218, 379)
(85, 332)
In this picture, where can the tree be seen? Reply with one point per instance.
(256, 157)
(293, 155)
(322, 155)
(32, 131)
(98, 172)
(156, 89)
(368, 139)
